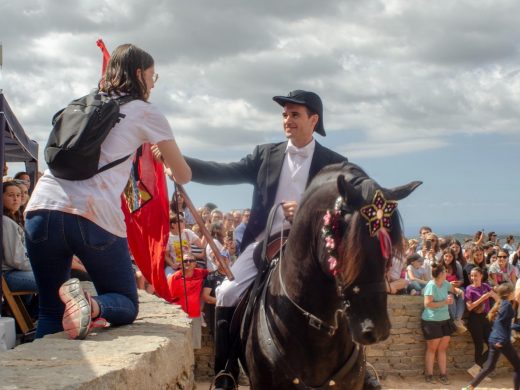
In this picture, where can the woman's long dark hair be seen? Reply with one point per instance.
(121, 73)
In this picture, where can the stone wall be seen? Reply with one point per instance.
(153, 353)
(402, 354)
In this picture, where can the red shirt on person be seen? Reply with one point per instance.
(193, 290)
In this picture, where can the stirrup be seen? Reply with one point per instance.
(223, 373)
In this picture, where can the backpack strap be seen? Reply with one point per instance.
(120, 101)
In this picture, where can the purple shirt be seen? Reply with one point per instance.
(473, 293)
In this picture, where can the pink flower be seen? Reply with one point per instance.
(330, 244)
(327, 218)
(333, 264)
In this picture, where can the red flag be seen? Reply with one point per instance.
(145, 205)
(146, 209)
(106, 55)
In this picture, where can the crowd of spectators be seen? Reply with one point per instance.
(459, 282)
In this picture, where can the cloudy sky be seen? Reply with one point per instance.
(426, 90)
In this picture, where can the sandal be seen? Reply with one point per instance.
(444, 379)
(430, 379)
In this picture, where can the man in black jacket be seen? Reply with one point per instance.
(279, 172)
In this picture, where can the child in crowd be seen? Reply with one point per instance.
(435, 322)
(478, 296)
(476, 260)
(416, 274)
(186, 292)
(502, 271)
(173, 257)
(454, 277)
(501, 315)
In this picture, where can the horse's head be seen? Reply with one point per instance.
(360, 233)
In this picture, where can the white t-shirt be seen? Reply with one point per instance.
(99, 198)
(211, 264)
(174, 248)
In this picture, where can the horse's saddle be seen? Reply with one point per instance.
(265, 252)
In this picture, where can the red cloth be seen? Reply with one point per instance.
(193, 290)
(148, 227)
(106, 55)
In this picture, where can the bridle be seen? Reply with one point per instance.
(330, 233)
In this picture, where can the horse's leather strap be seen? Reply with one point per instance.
(271, 343)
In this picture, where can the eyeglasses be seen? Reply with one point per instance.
(155, 77)
(501, 257)
(189, 261)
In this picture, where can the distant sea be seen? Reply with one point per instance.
(461, 232)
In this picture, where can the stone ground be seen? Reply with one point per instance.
(500, 382)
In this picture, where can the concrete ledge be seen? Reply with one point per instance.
(153, 353)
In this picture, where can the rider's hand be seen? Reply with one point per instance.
(289, 209)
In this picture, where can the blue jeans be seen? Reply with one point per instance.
(20, 280)
(52, 238)
(23, 281)
(456, 309)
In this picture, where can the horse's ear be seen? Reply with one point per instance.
(401, 192)
(348, 192)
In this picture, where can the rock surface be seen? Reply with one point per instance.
(153, 353)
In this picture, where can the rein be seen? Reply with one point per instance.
(314, 321)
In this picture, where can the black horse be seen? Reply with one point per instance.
(326, 296)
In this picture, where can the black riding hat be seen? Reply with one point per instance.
(308, 99)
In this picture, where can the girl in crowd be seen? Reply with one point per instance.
(509, 244)
(491, 257)
(435, 322)
(416, 274)
(84, 217)
(501, 315)
(16, 266)
(515, 257)
(217, 232)
(502, 271)
(478, 303)
(178, 199)
(456, 248)
(476, 260)
(454, 277)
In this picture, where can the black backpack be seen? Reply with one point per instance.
(74, 145)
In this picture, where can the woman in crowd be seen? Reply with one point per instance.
(478, 297)
(501, 271)
(501, 315)
(436, 324)
(217, 233)
(456, 248)
(16, 266)
(430, 252)
(454, 277)
(509, 244)
(186, 289)
(84, 217)
(178, 199)
(476, 260)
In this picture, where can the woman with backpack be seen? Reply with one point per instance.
(84, 217)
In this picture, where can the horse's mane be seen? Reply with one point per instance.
(355, 243)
